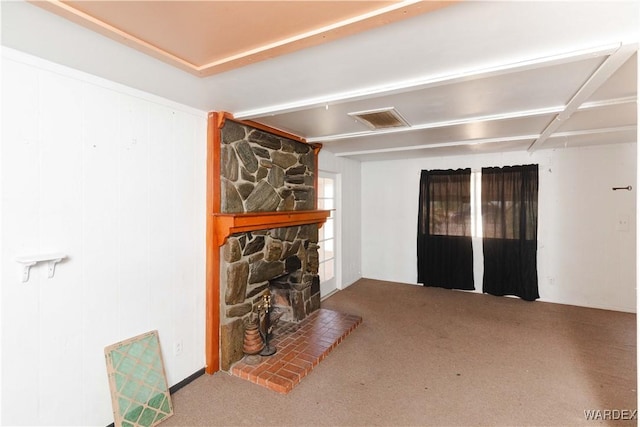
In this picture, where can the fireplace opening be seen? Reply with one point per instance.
(291, 292)
(282, 262)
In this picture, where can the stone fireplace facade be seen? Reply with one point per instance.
(264, 172)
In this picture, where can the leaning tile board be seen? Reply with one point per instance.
(139, 392)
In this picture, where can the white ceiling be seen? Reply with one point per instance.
(471, 77)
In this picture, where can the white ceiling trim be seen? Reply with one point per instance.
(489, 141)
(427, 82)
(597, 79)
(441, 144)
(595, 131)
(608, 103)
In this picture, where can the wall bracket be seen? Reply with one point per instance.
(29, 261)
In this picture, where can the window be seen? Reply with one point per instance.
(445, 253)
(499, 205)
(450, 205)
(509, 223)
(326, 234)
(492, 206)
(510, 202)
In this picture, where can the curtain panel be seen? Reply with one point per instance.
(445, 255)
(509, 231)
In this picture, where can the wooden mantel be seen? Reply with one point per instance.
(226, 224)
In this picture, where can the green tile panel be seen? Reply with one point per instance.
(139, 392)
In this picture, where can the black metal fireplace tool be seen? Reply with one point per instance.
(266, 329)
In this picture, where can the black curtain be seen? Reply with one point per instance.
(445, 255)
(509, 231)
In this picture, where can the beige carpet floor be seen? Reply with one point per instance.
(429, 356)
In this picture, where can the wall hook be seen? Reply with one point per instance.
(628, 188)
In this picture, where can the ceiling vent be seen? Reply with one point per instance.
(382, 118)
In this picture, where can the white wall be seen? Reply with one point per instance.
(348, 204)
(582, 258)
(114, 178)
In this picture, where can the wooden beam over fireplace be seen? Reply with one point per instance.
(227, 224)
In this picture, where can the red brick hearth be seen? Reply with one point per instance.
(301, 346)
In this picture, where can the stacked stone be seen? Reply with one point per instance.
(249, 261)
(262, 172)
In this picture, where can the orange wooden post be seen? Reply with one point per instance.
(212, 329)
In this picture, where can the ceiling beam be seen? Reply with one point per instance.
(584, 132)
(475, 119)
(608, 102)
(435, 125)
(426, 82)
(597, 79)
(487, 141)
(438, 145)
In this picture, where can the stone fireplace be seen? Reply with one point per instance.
(267, 230)
(250, 262)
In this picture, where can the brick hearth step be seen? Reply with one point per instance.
(299, 350)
